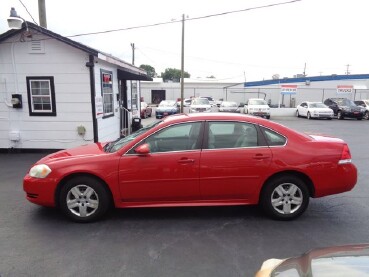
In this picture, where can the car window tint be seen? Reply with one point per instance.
(231, 135)
(179, 137)
(273, 138)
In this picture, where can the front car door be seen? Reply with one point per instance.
(234, 161)
(170, 172)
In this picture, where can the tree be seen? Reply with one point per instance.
(149, 69)
(174, 75)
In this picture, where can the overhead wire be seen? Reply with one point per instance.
(188, 19)
(28, 12)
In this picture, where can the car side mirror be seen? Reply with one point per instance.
(143, 149)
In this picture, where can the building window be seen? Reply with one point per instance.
(107, 93)
(41, 96)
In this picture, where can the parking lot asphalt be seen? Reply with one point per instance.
(216, 241)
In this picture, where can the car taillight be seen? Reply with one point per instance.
(345, 156)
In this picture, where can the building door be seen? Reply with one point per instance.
(157, 96)
(123, 109)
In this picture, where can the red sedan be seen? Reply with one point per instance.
(195, 160)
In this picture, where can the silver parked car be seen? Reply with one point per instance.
(231, 107)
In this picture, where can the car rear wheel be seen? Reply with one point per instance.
(285, 197)
(366, 116)
(84, 199)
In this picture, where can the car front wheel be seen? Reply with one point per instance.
(285, 197)
(297, 114)
(84, 199)
(308, 115)
(366, 116)
(339, 115)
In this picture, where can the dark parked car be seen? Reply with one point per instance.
(343, 107)
(166, 107)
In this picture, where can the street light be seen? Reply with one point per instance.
(15, 21)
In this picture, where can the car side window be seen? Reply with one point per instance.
(180, 137)
(273, 138)
(231, 135)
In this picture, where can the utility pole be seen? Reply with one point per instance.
(182, 62)
(133, 53)
(304, 73)
(347, 69)
(42, 13)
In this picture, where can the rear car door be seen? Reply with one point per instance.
(234, 160)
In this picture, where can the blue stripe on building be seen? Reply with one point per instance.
(305, 79)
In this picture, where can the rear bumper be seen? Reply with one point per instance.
(345, 178)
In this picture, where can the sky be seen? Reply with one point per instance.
(328, 36)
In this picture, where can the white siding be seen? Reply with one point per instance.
(108, 128)
(72, 92)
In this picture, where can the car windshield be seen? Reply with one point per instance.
(229, 104)
(120, 142)
(257, 102)
(345, 102)
(317, 105)
(200, 101)
(167, 103)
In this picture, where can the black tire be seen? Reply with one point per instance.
(293, 201)
(268, 117)
(339, 115)
(366, 115)
(359, 118)
(308, 116)
(85, 194)
(297, 113)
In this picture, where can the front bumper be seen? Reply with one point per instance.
(40, 191)
(164, 114)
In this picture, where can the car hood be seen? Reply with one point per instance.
(349, 260)
(81, 151)
(321, 110)
(163, 109)
(200, 106)
(258, 106)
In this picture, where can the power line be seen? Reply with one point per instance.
(188, 19)
(28, 12)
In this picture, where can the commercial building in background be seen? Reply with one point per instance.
(286, 92)
(56, 93)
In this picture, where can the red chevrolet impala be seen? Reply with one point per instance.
(195, 160)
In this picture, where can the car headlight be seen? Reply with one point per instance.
(39, 171)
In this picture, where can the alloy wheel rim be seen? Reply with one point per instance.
(286, 198)
(82, 201)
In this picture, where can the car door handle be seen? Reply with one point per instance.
(186, 161)
(260, 157)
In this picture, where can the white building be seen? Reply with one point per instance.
(56, 93)
(315, 88)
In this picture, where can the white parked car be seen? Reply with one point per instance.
(314, 110)
(199, 105)
(258, 107)
(231, 107)
(364, 104)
